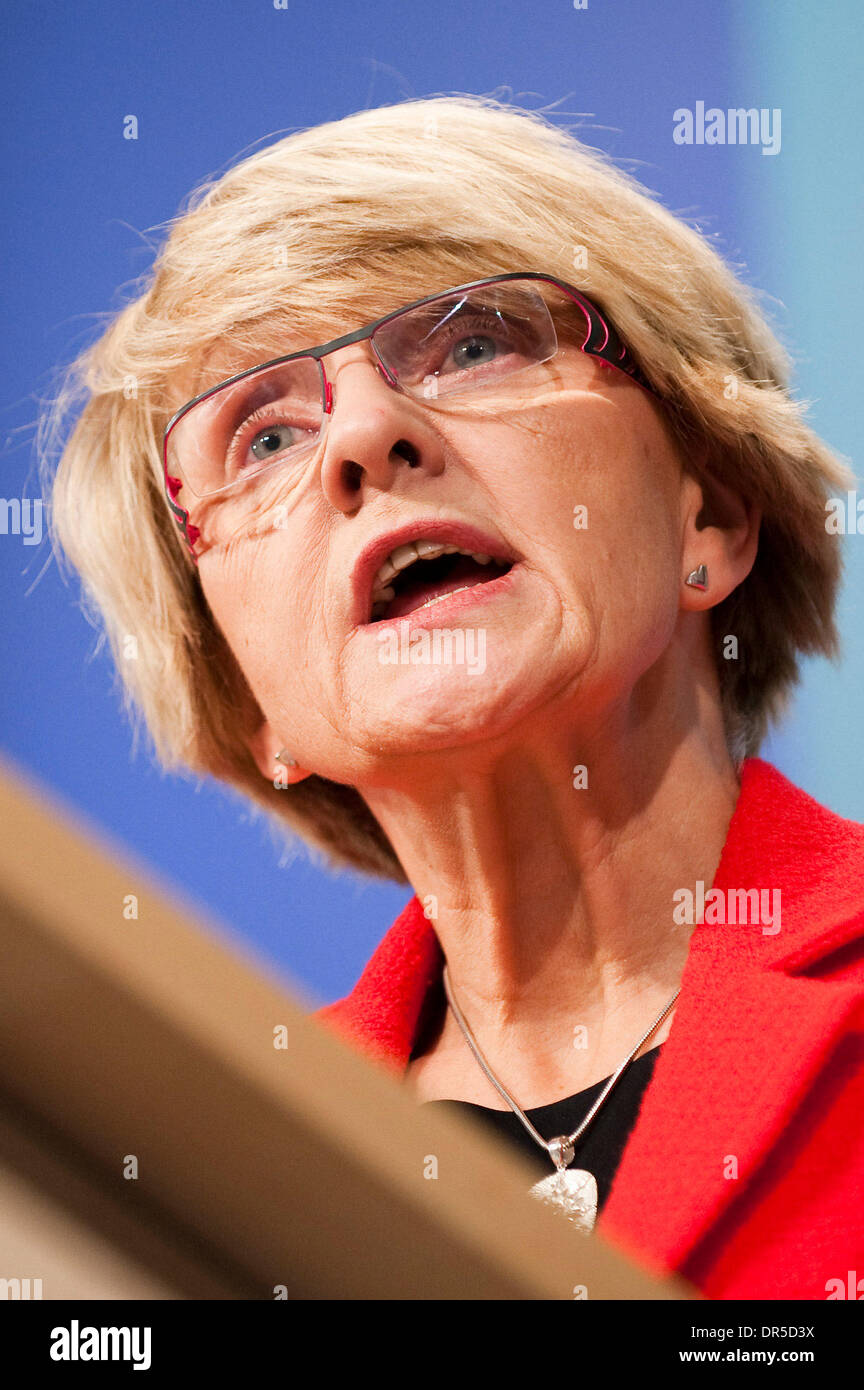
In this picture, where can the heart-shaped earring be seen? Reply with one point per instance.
(285, 758)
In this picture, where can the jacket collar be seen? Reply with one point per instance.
(751, 1028)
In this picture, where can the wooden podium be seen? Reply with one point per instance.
(173, 1125)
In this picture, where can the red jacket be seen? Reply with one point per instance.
(763, 1067)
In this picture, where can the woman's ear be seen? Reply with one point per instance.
(720, 531)
(276, 760)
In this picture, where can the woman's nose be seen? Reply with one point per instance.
(373, 429)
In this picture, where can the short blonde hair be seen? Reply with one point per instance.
(336, 225)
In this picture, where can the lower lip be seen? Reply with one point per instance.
(448, 606)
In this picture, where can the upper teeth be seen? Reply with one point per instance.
(405, 555)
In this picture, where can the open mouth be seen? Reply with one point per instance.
(419, 574)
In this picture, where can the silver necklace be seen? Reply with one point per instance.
(572, 1191)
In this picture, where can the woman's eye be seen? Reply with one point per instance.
(474, 351)
(272, 440)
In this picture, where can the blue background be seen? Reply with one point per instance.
(208, 82)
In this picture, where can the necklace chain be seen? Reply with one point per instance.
(564, 1142)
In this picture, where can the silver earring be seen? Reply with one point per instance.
(285, 758)
(698, 578)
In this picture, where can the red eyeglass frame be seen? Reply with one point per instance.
(601, 341)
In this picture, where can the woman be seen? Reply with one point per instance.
(455, 496)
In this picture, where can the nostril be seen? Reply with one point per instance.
(408, 452)
(352, 471)
(352, 474)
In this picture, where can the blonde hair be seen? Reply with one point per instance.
(336, 225)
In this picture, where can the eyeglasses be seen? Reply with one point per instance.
(466, 339)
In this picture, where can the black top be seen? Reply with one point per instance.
(605, 1138)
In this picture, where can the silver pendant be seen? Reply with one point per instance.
(573, 1192)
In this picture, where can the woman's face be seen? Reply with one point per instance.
(570, 478)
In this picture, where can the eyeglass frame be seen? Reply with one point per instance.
(601, 341)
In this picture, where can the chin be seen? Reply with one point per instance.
(427, 710)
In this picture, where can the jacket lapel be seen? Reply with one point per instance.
(741, 1055)
(382, 1014)
(751, 1029)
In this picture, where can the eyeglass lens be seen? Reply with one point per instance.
(460, 341)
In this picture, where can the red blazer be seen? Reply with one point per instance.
(763, 1067)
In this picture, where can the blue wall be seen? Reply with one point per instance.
(207, 82)
(803, 227)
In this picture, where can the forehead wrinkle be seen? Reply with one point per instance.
(224, 358)
(261, 341)
(264, 337)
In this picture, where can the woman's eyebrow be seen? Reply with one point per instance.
(225, 359)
